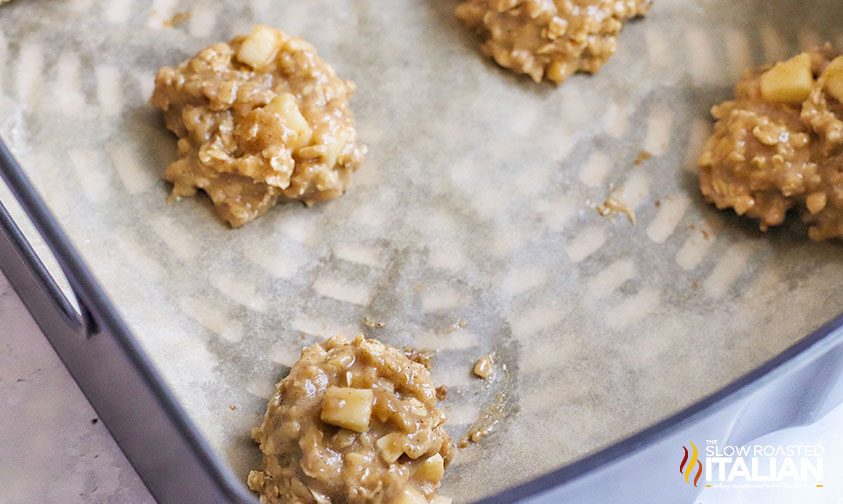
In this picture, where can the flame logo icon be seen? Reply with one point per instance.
(690, 463)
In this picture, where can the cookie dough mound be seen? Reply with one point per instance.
(353, 422)
(777, 146)
(260, 118)
(550, 39)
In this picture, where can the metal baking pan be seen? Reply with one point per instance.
(688, 326)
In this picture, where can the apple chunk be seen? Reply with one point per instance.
(833, 76)
(346, 407)
(259, 47)
(788, 81)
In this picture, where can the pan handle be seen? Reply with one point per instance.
(76, 315)
(118, 378)
(80, 319)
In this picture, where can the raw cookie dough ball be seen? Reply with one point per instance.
(778, 145)
(259, 118)
(353, 422)
(550, 39)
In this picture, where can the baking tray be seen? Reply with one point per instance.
(715, 271)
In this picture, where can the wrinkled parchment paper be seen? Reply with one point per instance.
(476, 204)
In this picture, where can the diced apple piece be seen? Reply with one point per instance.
(410, 496)
(417, 443)
(789, 81)
(391, 447)
(432, 469)
(259, 47)
(441, 499)
(291, 117)
(834, 79)
(348, 408)
(416, 407)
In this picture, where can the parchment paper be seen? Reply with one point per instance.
(476, 204)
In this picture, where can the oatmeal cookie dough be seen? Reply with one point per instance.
(353, 422)
(779, 145)
(550, 39)
(259, 118)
